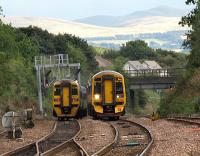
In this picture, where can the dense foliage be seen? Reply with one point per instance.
(139, 101)
(192, 20)
(17, 50)
(16, 73)
(139, 50)
(185, 99)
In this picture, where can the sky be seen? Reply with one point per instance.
(76, 9)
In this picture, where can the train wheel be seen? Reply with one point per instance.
(114, 118)
(79, 115)
(117, 118)
(89, 110)
(95, 116)
(123, 113)
(54, 113)
(60, 118)
(81, 112)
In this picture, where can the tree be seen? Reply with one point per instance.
(192, 20)
(136, 50)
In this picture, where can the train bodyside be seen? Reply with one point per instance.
(106, 95)
(68, 99)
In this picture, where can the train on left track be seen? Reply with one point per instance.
(69, 99)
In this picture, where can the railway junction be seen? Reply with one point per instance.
(128, 136)
(95, 136)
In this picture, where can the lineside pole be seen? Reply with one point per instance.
(79, 74)
(59, 63)
(39, 89)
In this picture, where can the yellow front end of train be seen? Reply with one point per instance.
(106, 95)
(66, 99)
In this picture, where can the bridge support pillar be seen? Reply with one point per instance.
(132, 100)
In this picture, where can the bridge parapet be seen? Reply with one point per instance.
(165, 72)
(153, 78)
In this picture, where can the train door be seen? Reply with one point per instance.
(108, 91)
(66, 99)
(65, 96)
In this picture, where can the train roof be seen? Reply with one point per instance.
(107, 72)
(58, 82)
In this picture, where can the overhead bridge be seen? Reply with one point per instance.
(153, 78)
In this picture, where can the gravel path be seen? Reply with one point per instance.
(42, 128)
(172, 138)
(94, 135)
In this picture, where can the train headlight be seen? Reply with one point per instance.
(97, 96)
(119, 96)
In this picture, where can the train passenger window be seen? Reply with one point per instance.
(74, 91)
(56, 91)
(97, 88)
(119, 88)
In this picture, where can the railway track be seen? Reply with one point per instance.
(2, 133)
(131, 139)
(61, 138)
(64, 131)
(187, 120)
(28, 150)
(63, 141)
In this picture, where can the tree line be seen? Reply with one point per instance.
(19, 46)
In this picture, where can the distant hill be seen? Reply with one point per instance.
(171, 40)
(157, 26)
(154, 24)
(118, 21)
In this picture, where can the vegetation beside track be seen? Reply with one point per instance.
(185, 99)
(18, 46)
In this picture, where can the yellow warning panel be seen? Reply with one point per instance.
(65, 96)
(108, 90)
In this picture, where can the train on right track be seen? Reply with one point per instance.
(106, 95)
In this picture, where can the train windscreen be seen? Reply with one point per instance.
(119, 88)
(97, 88)
(57, 90)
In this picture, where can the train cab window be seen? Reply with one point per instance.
(97, 88)
(57, 90)
(74, 91)
(119, 88)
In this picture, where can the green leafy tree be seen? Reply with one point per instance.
(119, 63)
(137, 50)
(192, 20)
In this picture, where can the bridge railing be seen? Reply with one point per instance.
(165, 72)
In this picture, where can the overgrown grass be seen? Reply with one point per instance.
(152, 101)
(185, 99)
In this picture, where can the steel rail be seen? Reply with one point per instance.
(110, 146)
(32, 148)
(69, 142)
(29, 149)
(2, 133)
(148, 147)
(184, 120)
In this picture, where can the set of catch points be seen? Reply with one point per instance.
(89, 121)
